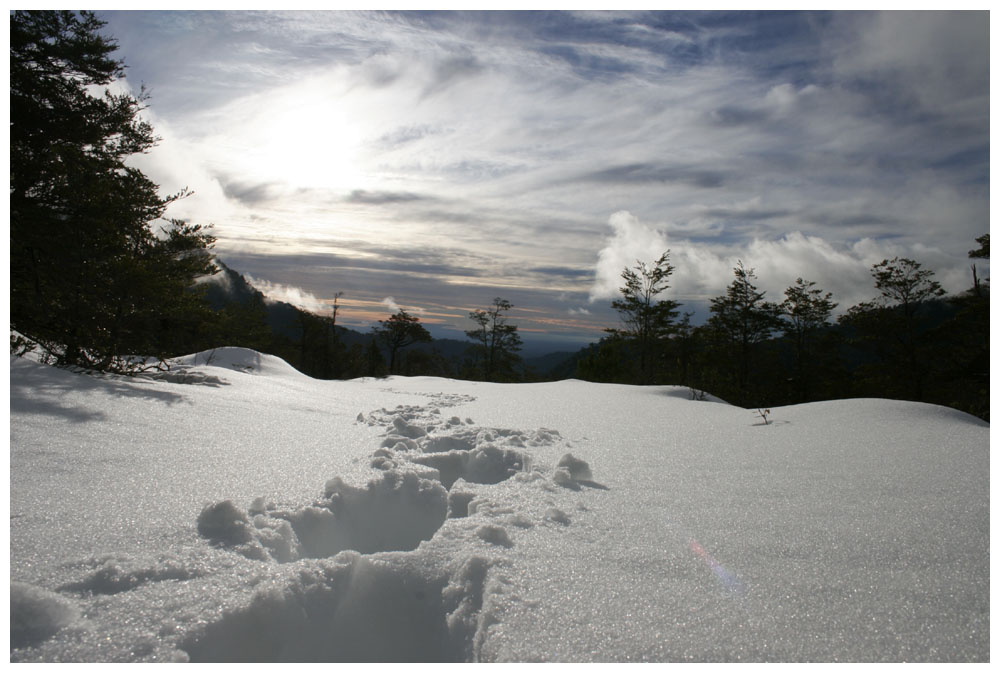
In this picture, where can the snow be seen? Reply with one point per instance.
(232, 509)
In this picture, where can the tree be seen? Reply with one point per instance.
(984, 248)
(893, 324)
(901, 282)
(91, 280)
(983, 252)
(374, 363)
(806, 310)
(497, 340)
(741, 321)
(647, 320)
(398, 332)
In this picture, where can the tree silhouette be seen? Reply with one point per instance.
(497, 340)
(805, 310)
(90, 279)
(893, 325)
(647, 320)
(398, 332)
(741, 321)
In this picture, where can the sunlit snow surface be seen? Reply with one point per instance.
(235, 510)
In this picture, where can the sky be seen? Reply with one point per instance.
(432, 161)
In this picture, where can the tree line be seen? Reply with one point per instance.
(92, 281)
(909, 342)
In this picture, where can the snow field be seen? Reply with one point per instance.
(569, 522)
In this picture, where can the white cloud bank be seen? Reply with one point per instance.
(701, 269)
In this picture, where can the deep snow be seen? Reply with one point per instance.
(233, 509)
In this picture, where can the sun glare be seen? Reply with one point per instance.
(306, 138)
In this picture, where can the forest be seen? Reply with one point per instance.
(92, 282)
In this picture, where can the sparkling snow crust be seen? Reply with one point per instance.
(232, 509)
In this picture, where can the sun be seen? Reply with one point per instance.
(305, 137)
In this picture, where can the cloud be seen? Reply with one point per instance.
(404, 135)
(381, 197)
(702, 271)
(933, 60)
(253, 193)
(450, 71)
(289, 294)
(630, 241)
(652, 173)
(391, 304)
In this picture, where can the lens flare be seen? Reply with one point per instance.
(730, 581)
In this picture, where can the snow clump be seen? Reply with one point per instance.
(37, 614)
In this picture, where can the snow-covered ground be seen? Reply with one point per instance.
(236, 510)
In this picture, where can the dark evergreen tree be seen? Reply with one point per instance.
(684, 349)
(904, 289)
(398, 332)
(497, 341)
(741, 322)
(894, 328)
(806, 311)
(374, 362)
(960, 373)
(647, 321)
(982, 252)
(91, 280)
(608, 361)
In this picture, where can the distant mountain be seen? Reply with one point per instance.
(229, 286)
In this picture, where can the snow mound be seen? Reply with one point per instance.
(37, 614)
(242, 360)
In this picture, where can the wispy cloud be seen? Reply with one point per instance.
(295, 296)
(381, 197)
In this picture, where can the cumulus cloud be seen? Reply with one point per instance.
(289, 294)
(630, 241)
(702, 270)
(391, 304)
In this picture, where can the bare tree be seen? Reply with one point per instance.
(497, 340)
